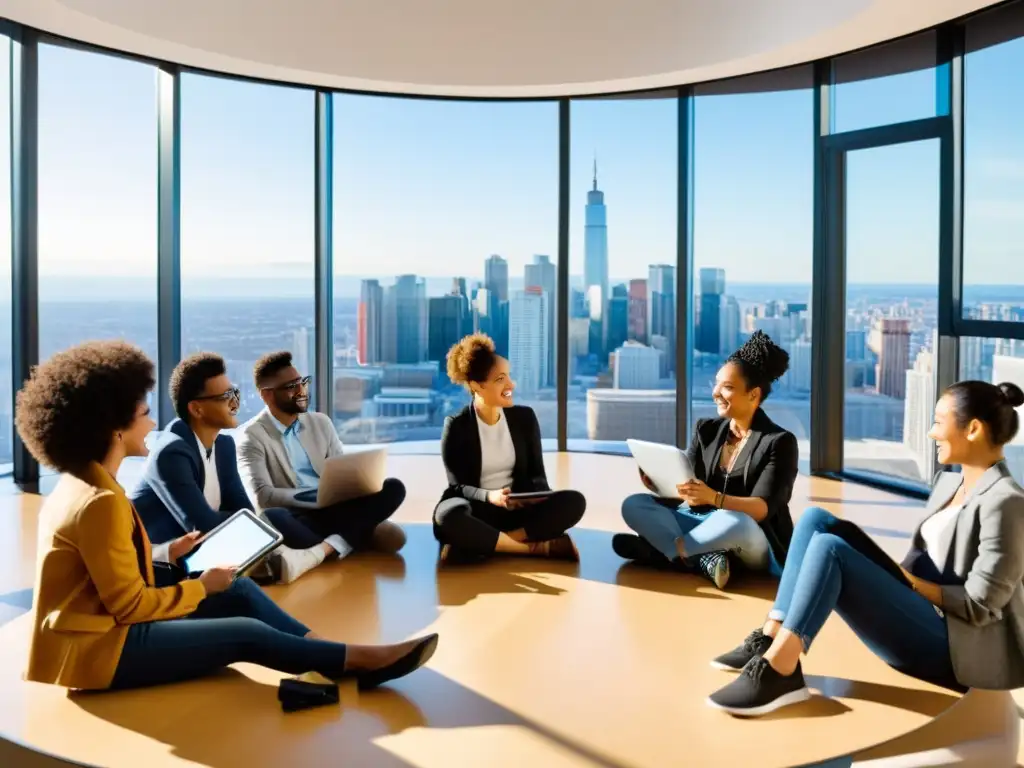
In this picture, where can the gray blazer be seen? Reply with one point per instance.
(985, 616)
(266, 470)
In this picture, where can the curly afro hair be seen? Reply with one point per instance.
(268, 365)
(471, 359)
(70, 408)
(189, 377)
(761, 361)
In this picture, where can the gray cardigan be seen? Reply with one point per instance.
(985, 616)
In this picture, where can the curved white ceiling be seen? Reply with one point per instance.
(486, 47)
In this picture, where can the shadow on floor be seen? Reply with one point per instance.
(207, 732)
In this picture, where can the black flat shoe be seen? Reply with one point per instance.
(413, 660)
(629, 546)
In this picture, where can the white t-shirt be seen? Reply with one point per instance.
(211, 486)
(937, 532)
(497, 454)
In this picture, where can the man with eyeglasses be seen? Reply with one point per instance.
(280, 451)
(191, 483)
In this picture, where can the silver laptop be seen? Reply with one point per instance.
(355, 473)
(665, 465)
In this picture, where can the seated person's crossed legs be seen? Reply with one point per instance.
(476, 529)
(660, 523)
(282, 453)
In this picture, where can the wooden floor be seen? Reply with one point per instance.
(546, 664)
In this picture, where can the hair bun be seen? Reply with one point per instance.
(760, 352)
(1013, 394)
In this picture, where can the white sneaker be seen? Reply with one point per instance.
(295, 562)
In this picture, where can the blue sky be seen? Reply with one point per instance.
(435, 187)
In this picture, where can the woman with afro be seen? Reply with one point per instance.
(103, 616)
(737, 506)
(492, 453)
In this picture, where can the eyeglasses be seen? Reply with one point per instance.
(230, 395)
(291, 386)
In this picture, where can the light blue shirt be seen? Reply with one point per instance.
(307, 476)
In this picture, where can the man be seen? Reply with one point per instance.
(281, 454)
(190, 483)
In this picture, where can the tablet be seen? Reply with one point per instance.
(665, 465)
(352, 475)
(531, 495)
(238, 542)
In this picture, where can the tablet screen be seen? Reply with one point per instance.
(233, 545)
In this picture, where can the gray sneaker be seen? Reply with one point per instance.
(715, 567)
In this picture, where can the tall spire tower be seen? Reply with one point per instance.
(595, 266)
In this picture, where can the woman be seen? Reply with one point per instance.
(492, 449)
(952, 614)
(101, 621)
(744, 466)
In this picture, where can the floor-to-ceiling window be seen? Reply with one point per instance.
(753, 234)
(623, 196)
(247, 224)
(993, 248)
(445, 223)
(888, 220)
(6, 405)
(97, 200)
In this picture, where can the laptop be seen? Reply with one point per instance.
(355, 473)
(666, 465)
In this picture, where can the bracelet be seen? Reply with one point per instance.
(720, 499)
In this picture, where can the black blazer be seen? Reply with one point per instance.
(169, 497)
(460, 450)
(765, 469)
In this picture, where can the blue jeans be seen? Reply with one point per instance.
(240, 624)
(823, 573)
(662, 521)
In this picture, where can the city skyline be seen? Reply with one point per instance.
(493, 166)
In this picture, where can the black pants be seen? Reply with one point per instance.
(472, 527)
(239, 624)
(354, 520)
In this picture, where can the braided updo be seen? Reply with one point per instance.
(761, 362)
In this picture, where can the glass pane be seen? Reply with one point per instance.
(753, 242)
(887, 84)
(996, 361)
(993, 270)
(6, 415)
(622, 239)
(97, 200)
(892, 230)
(247, 225)
(445, 223)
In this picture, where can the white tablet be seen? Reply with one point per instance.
(665, 465)
(352, 475)
(238, 542)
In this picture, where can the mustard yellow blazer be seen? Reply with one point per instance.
(94, 579)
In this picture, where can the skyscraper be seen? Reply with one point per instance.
(448, 317)
(528, 339)
(618, 318)
(638, 311)
(661, 310)
(636, 366)
(541, 274)
(595, 263)
(496, 277)
(917, 415)
(405, 321)
(890, 340)
(370, 322)
(712, 288)
(496, 283)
